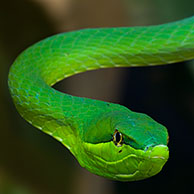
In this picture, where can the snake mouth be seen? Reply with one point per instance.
(149, 165)
(160, 152)
(131, 165)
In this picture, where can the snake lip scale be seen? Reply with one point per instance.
(107, 139)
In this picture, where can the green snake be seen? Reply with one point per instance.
(106, 138)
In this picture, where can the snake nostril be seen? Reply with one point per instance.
(148, 146)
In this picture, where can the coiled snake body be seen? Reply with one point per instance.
(108, 139)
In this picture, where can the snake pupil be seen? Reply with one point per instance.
(117, 138)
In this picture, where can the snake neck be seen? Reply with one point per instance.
(60, 115)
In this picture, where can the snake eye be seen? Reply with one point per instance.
(117, 138)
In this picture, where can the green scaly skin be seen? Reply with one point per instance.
(86, 126)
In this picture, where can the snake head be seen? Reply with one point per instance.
(124, 146)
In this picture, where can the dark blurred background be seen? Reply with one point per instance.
(32, 162)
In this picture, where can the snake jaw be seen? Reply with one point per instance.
(156, 158)
(128, 165)
(150, 165)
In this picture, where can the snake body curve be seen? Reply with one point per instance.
(108, 139)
